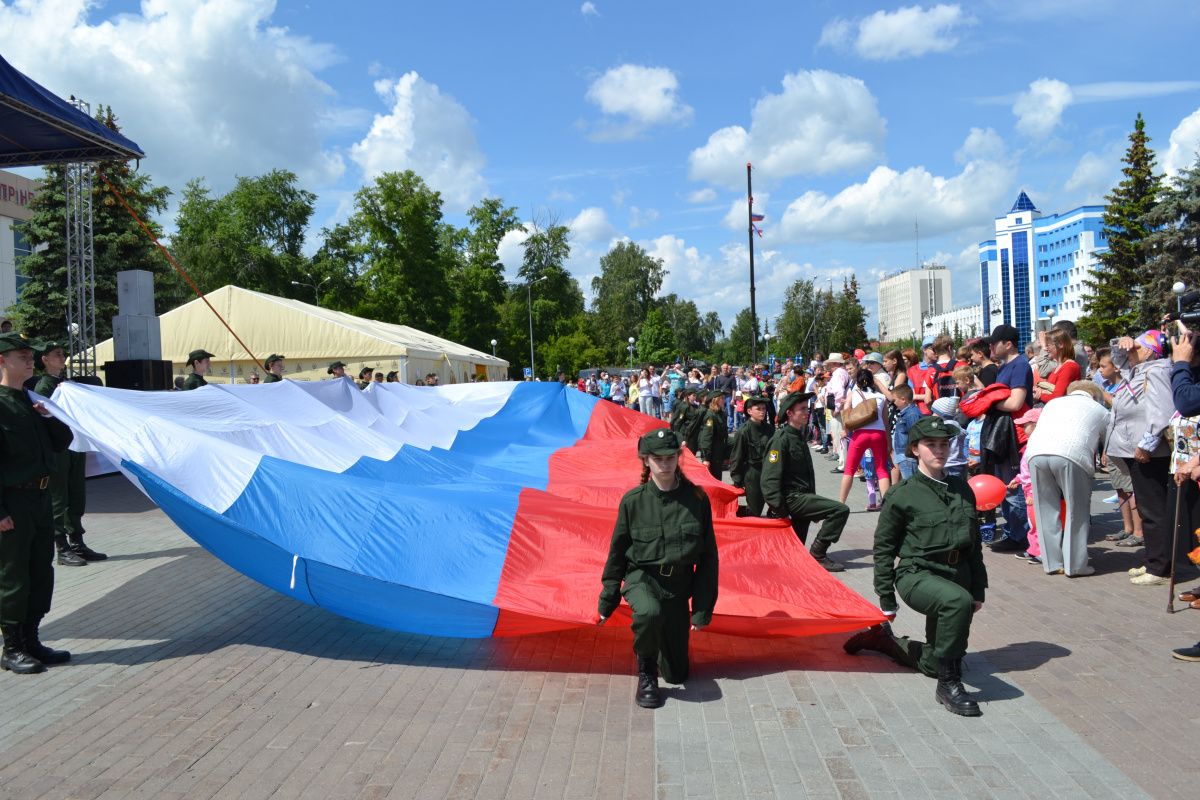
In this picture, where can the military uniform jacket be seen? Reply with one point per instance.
(691, 431)
(788, 467)
(28, 441)
(656, 528)
(749, 450)
(271, 377)
(195, 381)
(714, 437)
(680, 419)
(46, 384)
(924, 523)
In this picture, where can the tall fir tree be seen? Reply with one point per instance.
(1111, 307)
(1173, 245)
(119, 244)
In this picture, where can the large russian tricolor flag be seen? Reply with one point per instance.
(469, 511)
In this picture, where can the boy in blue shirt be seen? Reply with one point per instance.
(907, 415)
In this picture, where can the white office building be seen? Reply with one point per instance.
(907, 300)
(16, 193)
(961, 322)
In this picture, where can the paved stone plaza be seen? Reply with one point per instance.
(191, 681)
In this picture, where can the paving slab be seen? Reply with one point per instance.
(190, 680)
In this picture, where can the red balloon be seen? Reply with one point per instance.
(989, 491)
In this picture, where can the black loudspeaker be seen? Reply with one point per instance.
(141, 373)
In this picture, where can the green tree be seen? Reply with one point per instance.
(1173, 246)
(1111, 307)
(119, 244)
(655, 345)
(847, 321)
(711, 331)
(478, 282)
(736, 348)
(571, 351)
(800, 321)
(683, 318)
(252, 237)
(624, 294)
(556, 296)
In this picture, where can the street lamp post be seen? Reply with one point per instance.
(316, 287)
(493, 348)
(631, 343)
(529, 301)
(767, 341)
(1179, 287)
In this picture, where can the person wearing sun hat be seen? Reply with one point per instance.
(927, 550)
(31, 438)
(274, 368)
(663, 560)
(198, 361)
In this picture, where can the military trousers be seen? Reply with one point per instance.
(26, 553)
(662, 616)
(807, 508)
(948, 608)
(754, 495)
(68, 492)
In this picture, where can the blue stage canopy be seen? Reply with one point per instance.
(38, 127)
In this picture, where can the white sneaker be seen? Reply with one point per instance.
(1083, 571)
(1137, 571)
(1147, 580)
(1112, 501)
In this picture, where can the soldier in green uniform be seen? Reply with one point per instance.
(929, 523)
(274, 367)
(749, 450)
(789, 483)
(68, 494)
(691, 434)
(664, 552)
(337, 369)
(681, 414)
(28, 440)
(199, 361)
(713, 437)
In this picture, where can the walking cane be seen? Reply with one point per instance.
(1174, 547)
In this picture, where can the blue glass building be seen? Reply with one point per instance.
(1038, 263)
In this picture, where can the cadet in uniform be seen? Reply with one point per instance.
(337, 369)
(789, 483)
(365, 375)
(691, 434)
(713, 436)
(749, 450)
(198, 360)
(274, 367)
(681, 413)
(28, 441)
(68, 493)
(664, 551)
(929, 522)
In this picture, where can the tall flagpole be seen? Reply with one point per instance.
(750, 234)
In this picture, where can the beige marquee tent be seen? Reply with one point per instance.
(309, 337)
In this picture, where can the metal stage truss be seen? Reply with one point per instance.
(81, 264)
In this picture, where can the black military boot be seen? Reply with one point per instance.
(35, 648)
(818, 552)
(15, 658)
(880, 639)
(647, 695)
(66, 556)
(82, 550)
(950, 691)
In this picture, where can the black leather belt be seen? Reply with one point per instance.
(37, 484)
(952, 557)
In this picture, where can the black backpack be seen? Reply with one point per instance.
(943, 381)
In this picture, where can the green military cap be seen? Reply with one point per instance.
(46, 346)
(197, 355)
(930, 428)
(334, 366)
(791, 400)
(661, 442)
(271, 359)
(14, 341)
(685, 392)
(755, 400)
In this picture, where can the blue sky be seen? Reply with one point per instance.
(635, 120)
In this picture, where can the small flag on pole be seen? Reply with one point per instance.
(757, 217)
(756, 229)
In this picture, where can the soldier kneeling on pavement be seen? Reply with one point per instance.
(789, 484)
(929, 523)
(29, 438)
(663, 554)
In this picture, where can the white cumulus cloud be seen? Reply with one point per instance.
(981, 144)
(738, 215)
(591, 225)
(820, 122)
(884, 207)
(428, 132)
(1184, 145)
(904, 33)
(589, 10)
(1040, 109)
(705, 195)
(634, 98)
(1095, 175)
(210, 90)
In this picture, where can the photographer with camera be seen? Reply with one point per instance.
(1183, 492)
(1142, 412)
